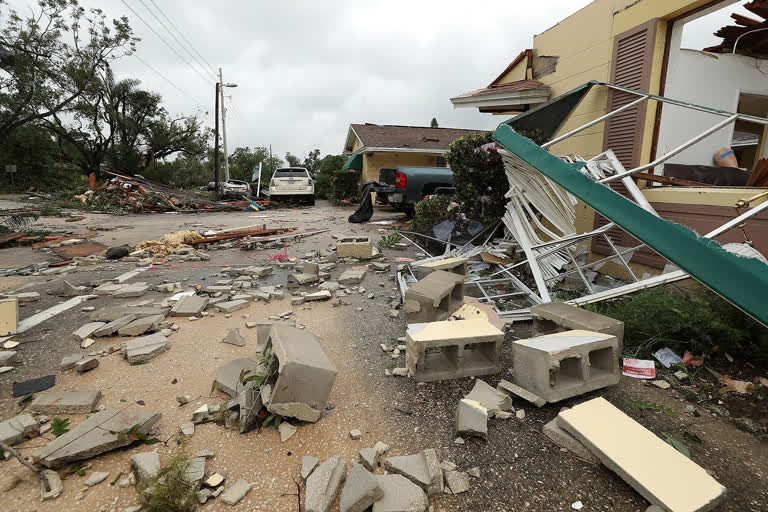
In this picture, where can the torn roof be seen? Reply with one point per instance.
(751, 34)
(432, 140)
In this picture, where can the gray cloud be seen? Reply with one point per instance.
(306, 70)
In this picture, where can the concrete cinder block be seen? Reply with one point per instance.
(452, 349)
(305, 374)
(555, 317)
(434, 298)
(655, 469)
(561, 365)
(359, 247)
(456, 266)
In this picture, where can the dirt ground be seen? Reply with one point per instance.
(520, 468)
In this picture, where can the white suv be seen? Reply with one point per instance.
(292, 183)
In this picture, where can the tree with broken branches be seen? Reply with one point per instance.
(49, 58)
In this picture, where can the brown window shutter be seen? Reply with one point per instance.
(631, 68)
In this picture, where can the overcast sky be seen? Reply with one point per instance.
(306, 70)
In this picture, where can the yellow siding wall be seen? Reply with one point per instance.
(372, 162)
(516, 73)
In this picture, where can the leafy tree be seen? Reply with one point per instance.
(327, 168)
(243, 161)
(312, 161)
(117, 123)
(293, 160)
(433, 124)
(52, 58)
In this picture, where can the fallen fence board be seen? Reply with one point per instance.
(657, 471)
(740, 280)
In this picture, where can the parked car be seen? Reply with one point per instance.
(292, 183)
(231, 188)
(403, 187)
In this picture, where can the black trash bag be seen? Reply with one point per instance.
(365, 211)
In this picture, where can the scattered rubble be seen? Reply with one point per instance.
(324, 483)
(423, 469)
(233, 337)
(144, 348)
(360, 491)
(400, 495)
(471, 418)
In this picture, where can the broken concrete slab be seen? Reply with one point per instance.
(107, 289)
(562, 438)
(331, 286)
(228, 374)
(86, 365)
(471, 418)
(286, 431)
(456, 266)
(305, 374)
(25, 297)
(353, 275)
(68, 362)
(514, 389)
(189, 305)
(8, 356)
(308, 464)
(216, 479)
(323, 484)
(188, 429)
(655, 469)
(566, 364)
(70, 290)
(66, 402)
(54, 482)
(457, 481)
(233, 337)
(231, 306)
(132, 290)
(14, 430)
(321, 295)
(423, 469)
(87, 330)
(400, 495)
(96, 477)
(113, 313)
(144, 348)
(146, 464)
(492, 399)
(113, 326)
(101, 432)
(237, 492)
(195, 470)
(141, 325)
(360, 491)
(254, 271)
(250, 404)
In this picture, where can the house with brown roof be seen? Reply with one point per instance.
(372, 147)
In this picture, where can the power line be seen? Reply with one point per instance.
(207, 80)
(199, 103)
(182, 36)
(172, 35)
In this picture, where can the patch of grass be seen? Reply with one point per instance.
(390, 239)
(702, 323)
(169, 490)
(50, 209)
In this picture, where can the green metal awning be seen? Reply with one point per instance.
(740, 280)
(355, 161)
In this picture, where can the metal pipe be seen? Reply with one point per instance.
(417, 245)
(590, 265)
(594, 122)
(672, 153)
(736, 42)
(736, 221)
(626, 265)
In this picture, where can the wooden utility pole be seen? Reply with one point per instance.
(216, 144)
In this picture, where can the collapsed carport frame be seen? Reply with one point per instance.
(588, 181)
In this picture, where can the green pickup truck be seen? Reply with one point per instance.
(403, 187)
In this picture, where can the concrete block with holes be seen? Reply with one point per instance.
(558, 317)
(359, 247)
(434, 298)
(565, 364)
(454, 265)
(452, 349)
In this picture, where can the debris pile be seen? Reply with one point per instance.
(137, 194)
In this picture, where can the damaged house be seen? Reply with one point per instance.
(679, 132)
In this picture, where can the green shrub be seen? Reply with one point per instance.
(429, 212)
(169, 490)
(345, 184)
(703, 323)
(478, 177)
